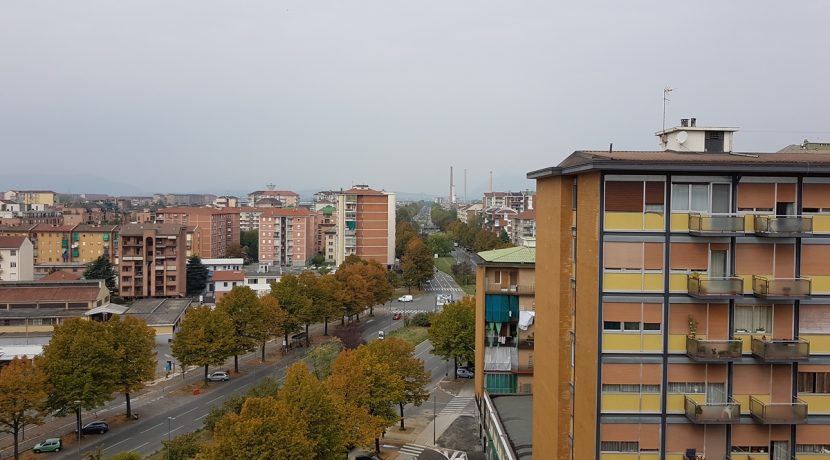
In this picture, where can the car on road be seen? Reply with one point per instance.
(396, 315)
(48, 445)
(96, 427)
(218, 376)
(464, 373)
(380, 335)
(405, 298)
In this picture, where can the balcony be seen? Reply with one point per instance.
(498, 288)
(768, 413)
(784, 226)
(704, 287)
(781, 288)
(506, 341)
(715, 225)
(713, 413)
(780, 351)
(713, 350)
(526, 344)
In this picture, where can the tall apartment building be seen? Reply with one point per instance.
(68, 244)
(684, 312)
(287, 237)
(327, 231)
(273, 198)
(217, 228)
(153, 261)
(16, 259)
(523, 227)
(29, 197)
(366, 225)
(517, 201)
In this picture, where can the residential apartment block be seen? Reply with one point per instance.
(517, 201)
(287, 237)
(273, 199)
(366, 225)
(523, 228)
(217, 228)
(68, 244)
(153, 261)
(30, 197)
(16, 259)
(684, 312)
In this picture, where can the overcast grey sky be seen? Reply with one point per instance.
(197, 95)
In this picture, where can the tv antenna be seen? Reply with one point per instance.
(666, 93)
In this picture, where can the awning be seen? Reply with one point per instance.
(111, 308)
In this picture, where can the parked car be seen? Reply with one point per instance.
(396, 315)
(96, 427)
(464, 373)
(48, 445)
(405, 298)
(218, 376)
(380, 335)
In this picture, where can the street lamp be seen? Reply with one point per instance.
(169, 422)
(78, 408)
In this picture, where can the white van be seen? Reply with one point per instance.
(405, 298)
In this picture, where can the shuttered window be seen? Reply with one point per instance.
(623, 196)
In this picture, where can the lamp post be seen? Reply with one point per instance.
(169, 423)
(78, 408)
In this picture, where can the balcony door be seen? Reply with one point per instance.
(781, 450)
(718, 261)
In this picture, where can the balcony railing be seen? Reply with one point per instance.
(713, 350)
(507, 341)
(526, 344)
(705, 287)
(781, 288)
(784, 226)
(715, 225)
(713, 413)
(498, 288)
(791, 413)
(780, 351)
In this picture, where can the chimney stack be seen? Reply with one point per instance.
(684, 122)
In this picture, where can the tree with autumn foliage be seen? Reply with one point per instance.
(134, 343)
(328, 299)
(206, 338)
(357, 293)
(301, 421)
(273, 317)
(417, 264)
(399, 354)
(243, 308)
(293, 300)
(22, 398)
(452, 331)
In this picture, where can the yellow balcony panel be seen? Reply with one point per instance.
(622, 282)
(677, 342)
(812, 456)
(817, 404)
(749, 223)
(747, 340)
(680, 222)
(753, 456)
(619, 456)
(819, 343)
(630, 402)
(653, 282)
(675, 456)
(676, 404)
(821, 224)
(743, 400)
(620, 341)
(652, 343)
(651, 402)
(821, 283)
(624, 221)
(655, 221)
(678, 282)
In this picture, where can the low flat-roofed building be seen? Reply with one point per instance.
(228, 263)
(163, 315)
(27, 352)
(221, 282)
(508, 426)
(37, 306)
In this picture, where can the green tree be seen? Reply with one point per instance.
(329, 299)
(102, 269)
(356, 294)
(442, 217)
(321, 357)
(273, 319)
(504, 237)
(410, 370)
(80, 366)
(250, 241)
(318, 260)
(243, 308)
(416, 263)
(236, 250)
(292, 298)
(206, 338)
(197, 276)
(135, 355)
(22, 398)
(440, 243)
(452, 332)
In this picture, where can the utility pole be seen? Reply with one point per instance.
(666, 95)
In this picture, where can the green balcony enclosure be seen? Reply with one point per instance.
(501, 308)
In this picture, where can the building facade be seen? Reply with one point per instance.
(16, 259)
(217, 228)
(684, 305)
(153, 261)
(366, 225)
(275, 198)
(68, 244)
(287, 237)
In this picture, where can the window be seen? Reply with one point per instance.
(13, 264)
(686, 387)
(612, 326)
(619, 446)
(695, 198)
(225, 284)
(753, 319)
(629, 326)
(812, 448)
(814, 382)
(12, 252)
(629, 388)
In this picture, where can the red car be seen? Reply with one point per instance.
(396, 315)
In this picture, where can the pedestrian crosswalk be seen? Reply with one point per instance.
(412, 449)
(443, 289)
(410, 311)
(459, 405)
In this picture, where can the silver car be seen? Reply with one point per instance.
(219, 376)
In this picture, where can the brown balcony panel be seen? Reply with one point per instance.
(526, 344)
(781, 288)
(715, 225)
(780, 351)
(704, 287)
(713, 413)
(771, 413)
(713, 350)
(784, 226)
(515, 289)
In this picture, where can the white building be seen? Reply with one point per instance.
(218, 265)
(16, 259)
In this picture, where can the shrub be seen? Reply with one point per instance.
(421, 319)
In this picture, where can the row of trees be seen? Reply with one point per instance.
(80, 368)
(317, 414)
(242, 321)
(476, 238)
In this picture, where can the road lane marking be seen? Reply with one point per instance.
(139, 447)
(117, 443)
(152, 427)
(218, 397)
(191, 410)
(199, 418)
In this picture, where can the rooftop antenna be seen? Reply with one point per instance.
(465, 185)
(272, 186)
(666, 95)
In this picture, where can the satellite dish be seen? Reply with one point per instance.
(681, 137)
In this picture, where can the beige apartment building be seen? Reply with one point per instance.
(153, 261)
(29, 197)
(217, 228)
(287, 237)
(16, 259)
(68, 244)
(366, 225)
(273, 199)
